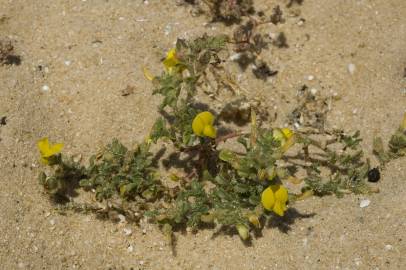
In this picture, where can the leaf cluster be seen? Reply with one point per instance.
(337, 167)
(119, 171)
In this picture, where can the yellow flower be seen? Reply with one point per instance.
(285, 136)
(48, 150)
(172, 62)
(274, 199)
(202, 125)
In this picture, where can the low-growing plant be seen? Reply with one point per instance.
(213, 185)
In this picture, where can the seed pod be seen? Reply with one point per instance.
(243, 231)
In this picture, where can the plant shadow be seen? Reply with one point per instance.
(283, 224)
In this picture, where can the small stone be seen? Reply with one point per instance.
(121, 218)
(388, 247)
(310, 78)
(351, 68)
(67, 62)
(355, 111)
(168, 29)
(235, 57)
(313, 91)
(357, 261)
(130, 248)
(141, 262)
(45, 88)
(364, 203)
(52, 222)
(77, 158)
(374, 175)
(127, 231)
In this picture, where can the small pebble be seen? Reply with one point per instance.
(52, 222)
(388, 247)
(168, 29)
(130, 248)
(121, 218)
(364, 203)
(235, 57)
(45, 88)
(127, 231)
(310, 78)
(355, 111)
(77, 158)
(374, 175)
(141, 262)
(67, 62)
(313, 91)
(351, 68)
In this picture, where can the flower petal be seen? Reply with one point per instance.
(287, 133)
(56, 148)
(198, 126)
(207, 117)
(209, 131)
(281, 193)
(268, 198)
(170, 61)
(278, 208)
(43, 146)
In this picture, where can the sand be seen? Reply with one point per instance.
(77, 56)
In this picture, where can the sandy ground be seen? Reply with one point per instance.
(76, 57)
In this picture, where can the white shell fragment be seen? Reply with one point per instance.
(351, 68)
(364, 203)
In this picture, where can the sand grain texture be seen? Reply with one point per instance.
(86, 52)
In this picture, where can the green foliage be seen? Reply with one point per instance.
(121, 171)
(214, 187)
(337, 169)
(396, 145)
(258, 163)
(65, 176)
